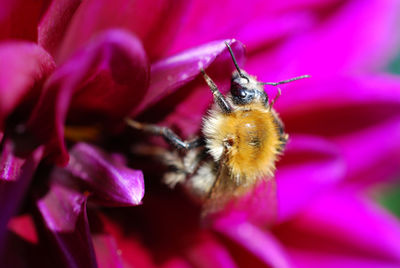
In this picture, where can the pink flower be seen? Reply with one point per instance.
(93, 63)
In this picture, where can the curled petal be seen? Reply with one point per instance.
(99, 85)
(184, 108)
(64, 226)
(168, 74)
(110, 182)
(155, 23)
(10, 164)
(23, 69)
(61, 207)
(12, 192)
(311, 166)
(342, 229)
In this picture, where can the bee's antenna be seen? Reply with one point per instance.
(234, 60)
(285, 81)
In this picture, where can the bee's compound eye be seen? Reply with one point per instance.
(241, 95)
(238, 92)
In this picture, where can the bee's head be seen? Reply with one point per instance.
(246, 89)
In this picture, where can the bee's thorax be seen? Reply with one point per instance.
(248, 137)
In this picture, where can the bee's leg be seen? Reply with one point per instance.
(167, 134)
(218, 97)
(176, 170)
(278, 94)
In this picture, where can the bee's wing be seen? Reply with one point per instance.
(221, 191)
(257, 200)
(224, 189)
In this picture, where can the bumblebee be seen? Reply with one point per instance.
(242, 138)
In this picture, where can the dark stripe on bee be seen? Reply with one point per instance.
(281, 131)
(255, 142)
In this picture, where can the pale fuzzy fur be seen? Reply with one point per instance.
(201, 182)
(211, 126)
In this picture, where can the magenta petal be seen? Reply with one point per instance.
(371, 155)
(259, 205)
(184, 107)
(316, 260)
(110, 182)
(107, 251)
(19, 18)
(358, 36)
(10, 164)
(23, 69)
(211, 21)
(262, 245)
(339, 92)
(255, 23)
(21, 253)
(13, 191)
(265, 31)
(358, 113)
(62, 214)
(299, 4)
(54, 24)
(133, 252)
(99, 85)
(310, 167)
(342, 230)
(23, 226)
(168, 74)
(209, 252)
(154, 22)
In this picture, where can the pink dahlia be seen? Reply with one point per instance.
(72, 186)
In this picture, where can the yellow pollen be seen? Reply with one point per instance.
(82, 133)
